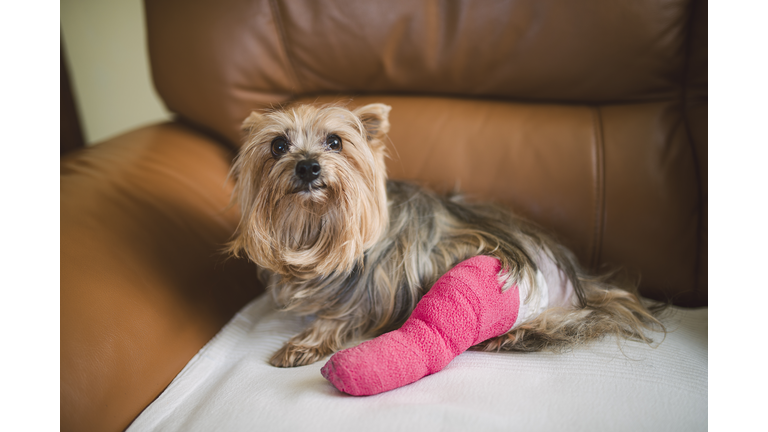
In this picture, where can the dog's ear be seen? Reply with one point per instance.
(375, 119)
(252, 122)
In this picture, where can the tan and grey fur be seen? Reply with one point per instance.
(358, 251)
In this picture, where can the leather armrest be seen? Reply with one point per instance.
(143, 283)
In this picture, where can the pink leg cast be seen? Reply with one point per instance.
(463, 308)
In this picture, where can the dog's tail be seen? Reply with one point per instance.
(609, 307)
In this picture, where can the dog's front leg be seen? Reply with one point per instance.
(322, 337)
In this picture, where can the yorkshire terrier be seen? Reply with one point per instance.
(335, 239)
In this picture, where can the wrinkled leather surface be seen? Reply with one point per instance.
(239, 55)
(588, 117)
(143, 286)
(586, 172)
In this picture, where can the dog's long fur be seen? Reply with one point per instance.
(359, 251)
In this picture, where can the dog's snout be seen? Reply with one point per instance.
(307, 170)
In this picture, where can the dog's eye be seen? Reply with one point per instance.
(333, 142)
(279, 147)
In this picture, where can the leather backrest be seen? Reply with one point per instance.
(606, 96)
(215, 61)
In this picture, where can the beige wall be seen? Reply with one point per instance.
(105, 43)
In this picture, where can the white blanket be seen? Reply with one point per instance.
(230, 386)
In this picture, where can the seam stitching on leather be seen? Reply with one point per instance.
(280, 30)
(598, 172)
(692, 145)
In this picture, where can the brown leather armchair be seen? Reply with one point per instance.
(588, 117)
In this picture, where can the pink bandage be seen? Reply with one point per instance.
(463, 308)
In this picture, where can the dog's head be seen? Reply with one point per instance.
(311, 185)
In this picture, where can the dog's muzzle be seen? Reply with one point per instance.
(308, 170)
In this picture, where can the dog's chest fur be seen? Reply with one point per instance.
(426, 236)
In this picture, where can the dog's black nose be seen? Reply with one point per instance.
(307, 170)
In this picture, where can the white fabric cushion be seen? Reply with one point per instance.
(230, 386)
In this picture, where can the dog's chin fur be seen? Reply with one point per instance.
(358, 251)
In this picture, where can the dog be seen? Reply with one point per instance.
(335, 239)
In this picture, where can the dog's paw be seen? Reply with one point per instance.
(291, 355)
